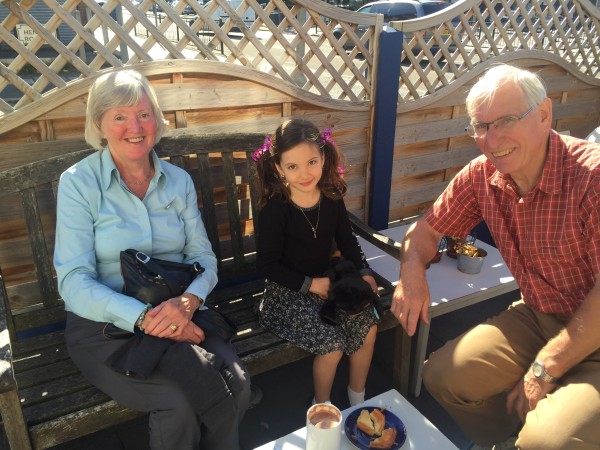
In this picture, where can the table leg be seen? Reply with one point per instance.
(423, 336)
(401, 361)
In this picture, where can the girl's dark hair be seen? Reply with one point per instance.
(288, 135)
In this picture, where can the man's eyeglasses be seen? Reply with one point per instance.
(504, 123)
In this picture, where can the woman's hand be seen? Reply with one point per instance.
(191, 333)
(172, 319)
(320, 286)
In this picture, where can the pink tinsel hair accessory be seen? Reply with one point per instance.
(326, 136)
(265, 148)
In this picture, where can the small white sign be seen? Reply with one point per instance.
(25, 33)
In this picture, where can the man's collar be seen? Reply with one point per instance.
(551, 179)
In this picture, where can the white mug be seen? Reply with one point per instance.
(323, 427)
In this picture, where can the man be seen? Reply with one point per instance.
(537, 363)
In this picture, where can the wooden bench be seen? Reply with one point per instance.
(44, 399)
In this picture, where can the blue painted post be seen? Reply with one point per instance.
(384, 126)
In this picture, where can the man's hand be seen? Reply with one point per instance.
(526, 394)
(411, 302)
(411, 296)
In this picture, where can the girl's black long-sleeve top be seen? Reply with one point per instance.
(288, 252)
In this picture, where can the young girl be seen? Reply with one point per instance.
(303, 218)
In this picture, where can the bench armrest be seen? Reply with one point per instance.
(7, 376)
(380, 241)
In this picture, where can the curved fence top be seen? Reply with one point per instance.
(321, 49)
(44, 45)
(440, 48)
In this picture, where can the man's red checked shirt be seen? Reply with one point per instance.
(550, 238)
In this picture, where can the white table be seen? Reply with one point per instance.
(421, 433)
(449, 288)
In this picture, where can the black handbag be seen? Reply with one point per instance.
(153, 280)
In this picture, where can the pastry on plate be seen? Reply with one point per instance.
(378, 419)
(365, 424)
(386, 440)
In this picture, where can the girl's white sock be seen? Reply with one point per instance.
(355, 397)
(314, 401)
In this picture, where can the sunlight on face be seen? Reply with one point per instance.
(130, 130)
(302, 167)
(518, 151)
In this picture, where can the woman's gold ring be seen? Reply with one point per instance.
(173, 327)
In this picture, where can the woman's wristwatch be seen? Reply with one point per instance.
(140, 320)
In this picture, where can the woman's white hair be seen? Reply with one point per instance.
(483, 91)
(121, 88)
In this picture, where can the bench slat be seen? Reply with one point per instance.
(37, 343)
(205, 184)
(41, 258)
(45, 373)
(40, 357)
(254, 194)
(40, 317)
(43, 392)
(195, 140)
(228, 293)
(233, 211)
(80, 423)
(60, 406)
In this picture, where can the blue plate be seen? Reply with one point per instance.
(361, 440)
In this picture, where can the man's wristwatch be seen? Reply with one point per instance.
(539, 371)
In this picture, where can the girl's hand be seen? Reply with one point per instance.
(371, 280)
(320, 286)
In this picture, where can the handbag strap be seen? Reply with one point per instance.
(155, 267)
(225, 318)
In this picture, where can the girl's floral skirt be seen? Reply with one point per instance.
(294, 317)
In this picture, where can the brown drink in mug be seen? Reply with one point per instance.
(323, 427)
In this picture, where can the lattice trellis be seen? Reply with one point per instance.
(438, 50)
(295, 44)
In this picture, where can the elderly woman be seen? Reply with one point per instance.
(124, 196)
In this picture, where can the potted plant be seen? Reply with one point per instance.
(470, 257)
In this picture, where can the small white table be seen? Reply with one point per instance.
(421, 433)
(450, 289)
